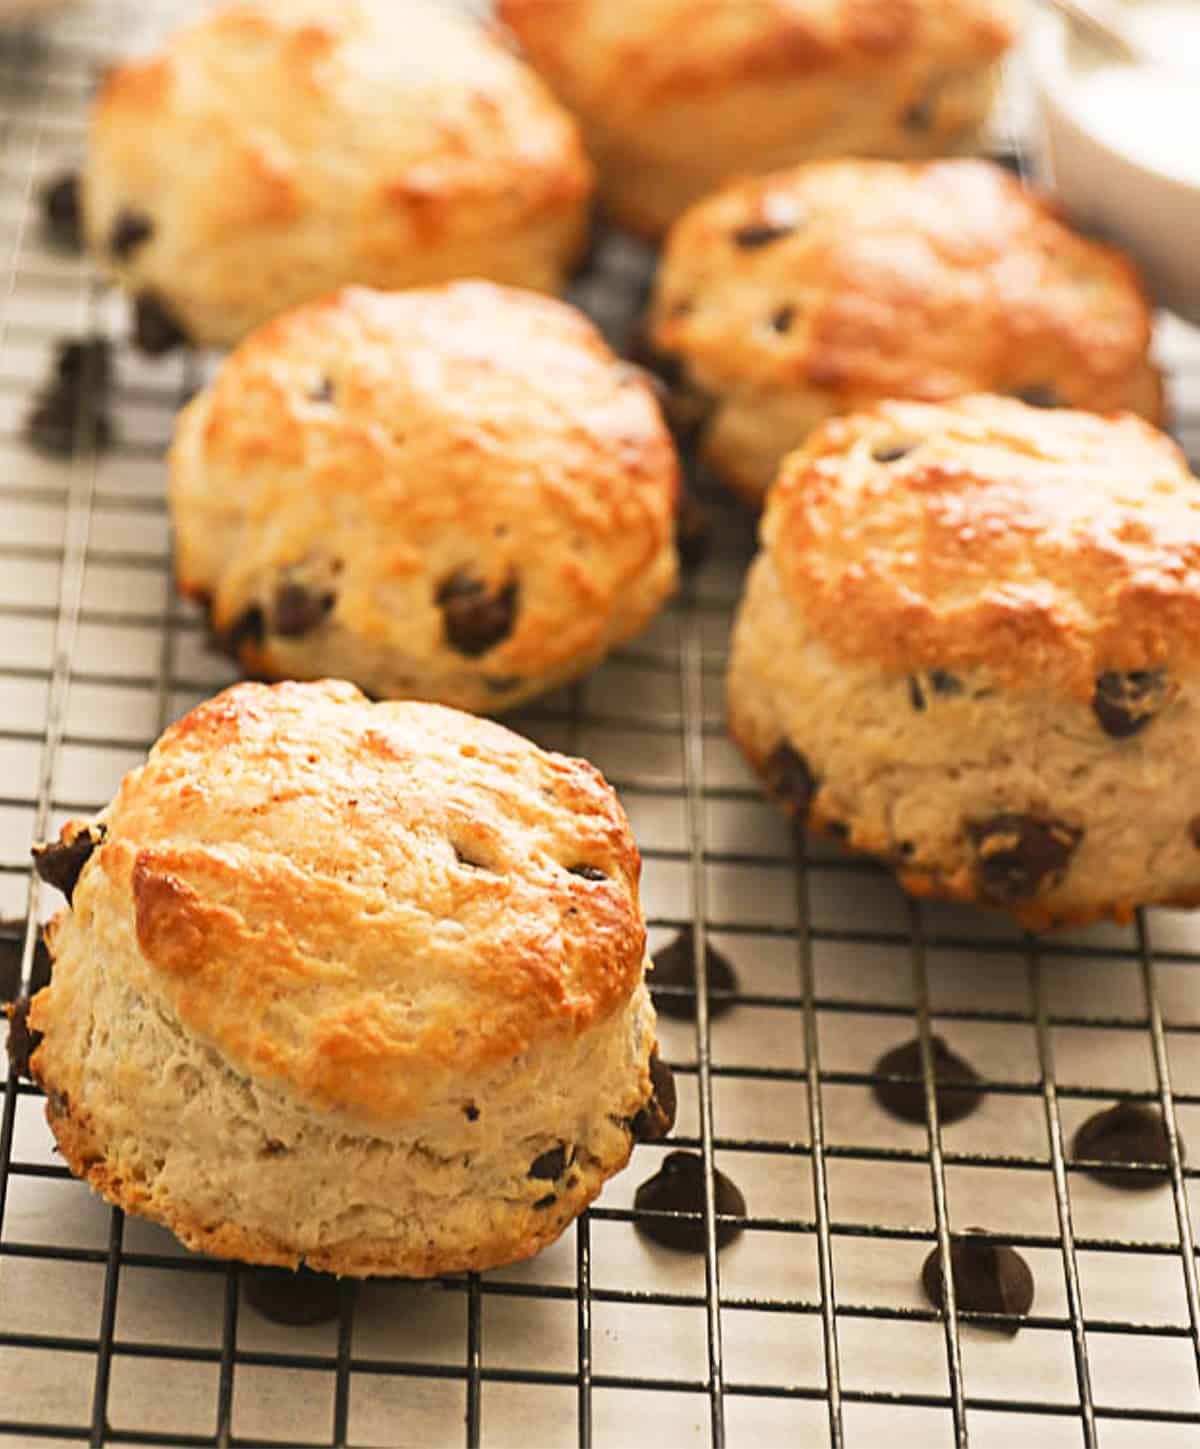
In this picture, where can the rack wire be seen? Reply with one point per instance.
(811, 1328)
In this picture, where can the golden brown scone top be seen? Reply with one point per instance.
(467, 428)
(1045, 546)
(360, 902)
(598, 53)
(875, 279)
(359, 132)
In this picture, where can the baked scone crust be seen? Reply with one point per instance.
(298, 146)
(977, 658)
(374, 447)
(828, 287)
(333, 967)
(676, 97)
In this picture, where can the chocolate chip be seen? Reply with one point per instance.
(61, 210)
(475, 619)
(471, 1112)
(838, 829)
(1039, 395)
(782, 318)
(298, 611)
(891, 452)
(272, 1147)
(321, 391)
(675, 970)
(12, 945)
(1018, 854)
(761, 233)
(1126, 703)
(587, 872)
(956, 1083)
(22, 1041)
(678, 1187)
(789, 780)
(60, 863)
(1127, 1134)
(84, 362)
(550, 1165)
(155, 330)
(945, 683)
(692, 531)
(130, 230)
(299, 1298)
(919, 115)
(655, 1120)
(248, 628)
(988, 1278)
(548, 1201)
(914, 693)
(59, 422)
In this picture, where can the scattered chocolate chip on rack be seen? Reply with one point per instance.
(956, 1082)
(1126, 1146)
(989, 1277)
(673, 980)
(678, 1187)
(298, 1299)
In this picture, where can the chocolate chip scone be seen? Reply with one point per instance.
(278, 149)
(457, 494)
(971, 646)
(358, 985)
(824, 289)
(677, 97)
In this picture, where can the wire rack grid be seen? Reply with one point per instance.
(811, 1327)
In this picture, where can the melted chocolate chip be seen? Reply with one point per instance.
(299, 1298)
(1039, 395)
(1018, 854)
(782, 318)
(587, 872)
(12, 945)
(471, 1112)
(790, 781)
(545, 1202)
(1129, 1133)
(693, 531)
(130, 230)
(298, 611)
(761, 234)
(956, 1083)
(155, 329)
(22, 1041)
(678, 1187)
(61, 210)
(675, 969)
(988, 1278)
(915, 694)
(891, 452)
(550, 1166)
(1126, 703)
(655, 1120)
(248, 628)
(945, 683)
(60, 863)
(476, 620)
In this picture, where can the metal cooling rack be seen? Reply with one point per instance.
(811, 1328)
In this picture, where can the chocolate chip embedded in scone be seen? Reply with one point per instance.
(449, 1062)
(970, 646)
(61, 863)
(656, 1118)
(1017, 855)
(156, 329)
(477, 509)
